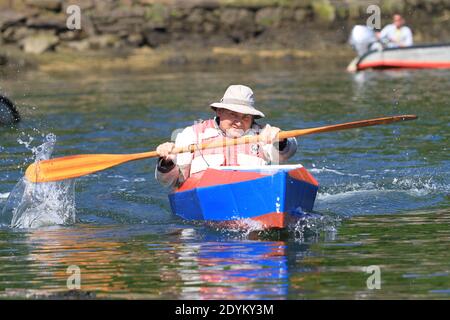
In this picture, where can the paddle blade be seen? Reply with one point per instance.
(76, 166)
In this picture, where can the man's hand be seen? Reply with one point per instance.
(269, 134)
(164, 150)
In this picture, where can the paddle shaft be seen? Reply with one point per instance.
(294, 133)
(79, 165)
(281, 136)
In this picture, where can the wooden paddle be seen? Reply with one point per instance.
(80, 165)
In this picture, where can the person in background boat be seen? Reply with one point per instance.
(361, 38)
(396, 34)
(235, 117)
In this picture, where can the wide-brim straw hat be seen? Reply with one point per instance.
(238, 98)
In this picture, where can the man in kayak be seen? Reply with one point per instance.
(396, 34)
(235, 117)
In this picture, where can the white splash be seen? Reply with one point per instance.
(421, 186)
(315, 225)
(318, 170)
(27, 144)
(4, 195)
(346, 194)
(413, 186)
(34, 205)
(239, 228)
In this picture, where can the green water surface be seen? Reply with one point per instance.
(383, 190)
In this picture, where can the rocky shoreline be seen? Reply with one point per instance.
(286, 29)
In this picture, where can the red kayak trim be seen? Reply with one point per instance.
(404, 64)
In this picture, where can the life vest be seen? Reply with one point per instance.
(234, 155)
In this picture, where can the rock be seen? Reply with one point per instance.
(354, 11)
(104, 41)
(72, 35)
(197, 16)
(342, 12)
(124, 20)
(157, 16)
(276, 17)
(32, 12)
(155, 38)
(212, 15)
(83, 4)
(135, 39)
(305, 4)
(211, 25)
(39, 43)
(105, 5)
(176, 60)
(53, 21)
(390, 7)
(127, 12)
(3, 59)
(53, 5)
(123, 27)
(300, 15)
(15, 34)
(81, 45)
(204, 4)
(267, 17)
(238, 23)
(177, 26)
(252, 4)
(195, 20)
(204, 22)
(10, 18)
(8, 112)
(87, 26)
(236, 17)
(209, 28)
(184, 4)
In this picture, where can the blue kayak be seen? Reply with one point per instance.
(268, 196)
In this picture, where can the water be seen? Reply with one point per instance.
(383, 198)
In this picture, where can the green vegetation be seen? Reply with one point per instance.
(157, 14)
(324, 11)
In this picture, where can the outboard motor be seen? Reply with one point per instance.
(361, 38)
(8, 112)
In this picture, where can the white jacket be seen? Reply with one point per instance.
(402, 36)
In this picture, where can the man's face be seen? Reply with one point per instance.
(234, 123)
(398, 21)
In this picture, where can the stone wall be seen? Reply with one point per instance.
(40, 25)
